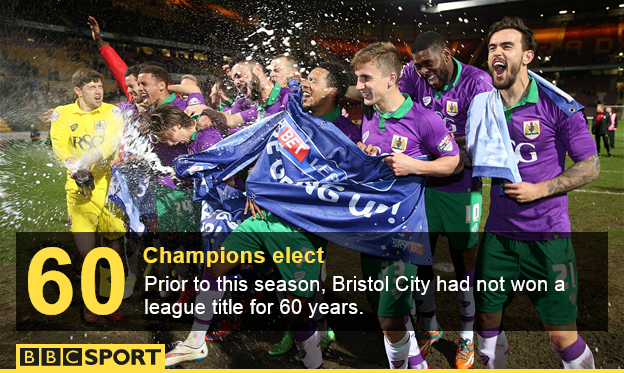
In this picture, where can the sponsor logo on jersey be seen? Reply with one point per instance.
(117, 112)
(100, 125)
(87, 142)
(293, 143)
(529, 156)
(73, 126)
(365, 136)
(399, 143)
(55, 116)
(426, 100)
(446, 145)
(531, 128)
(451, 108)
(193, 101)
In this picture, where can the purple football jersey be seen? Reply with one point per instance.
(419, 132)
(451, 103)
(541, 134)
(195, 98)
(202, 140)
(350, 129)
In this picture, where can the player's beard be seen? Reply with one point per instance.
(512, 73)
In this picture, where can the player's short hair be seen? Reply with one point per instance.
(86, 76)
(158, 72)
(226, 86)
(385, 56)
(429, 39)
(528, 38)
(133, 70)
(338, 77)
(290, 60)
(243, 60)
(163, 118)
(190, 77)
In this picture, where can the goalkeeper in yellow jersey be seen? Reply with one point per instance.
(85, 137)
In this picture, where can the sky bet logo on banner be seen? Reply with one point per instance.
(91, 356)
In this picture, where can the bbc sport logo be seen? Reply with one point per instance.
(93, 357)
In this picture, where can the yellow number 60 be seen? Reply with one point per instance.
(37, 279)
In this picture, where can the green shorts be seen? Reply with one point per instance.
(456, 215)
(271, 235)
(528, 260)
(176, 210)
(391, 302)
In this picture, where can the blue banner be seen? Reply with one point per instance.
(222, 212)
(127, 189)
(310, 174)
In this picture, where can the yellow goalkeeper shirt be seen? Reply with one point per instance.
(75, 133)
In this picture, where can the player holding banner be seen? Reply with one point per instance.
(527, 235)
(407, 131)
(85, 137)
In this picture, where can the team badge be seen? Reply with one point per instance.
(117, 112)
(531, 128)
(399, 143)
(451, 108)
(365, 136)
(55, 116)
(193, 101)
(100, 125)
(73, 126)
(426, 100)
(446, 145)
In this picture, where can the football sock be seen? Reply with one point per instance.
(197, 337)
(415, 359)
(308, 342)
(426, 306)
(398, 353)
(493, 347)
(576, 356)
(467, 306)
(206, 297)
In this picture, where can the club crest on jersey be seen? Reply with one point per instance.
(446, 145)
(451, 108)
(73, 127)
(193, 101)
(399, 143)
(531, 128)
(116, 111)
(100, 125)
(426, 100)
